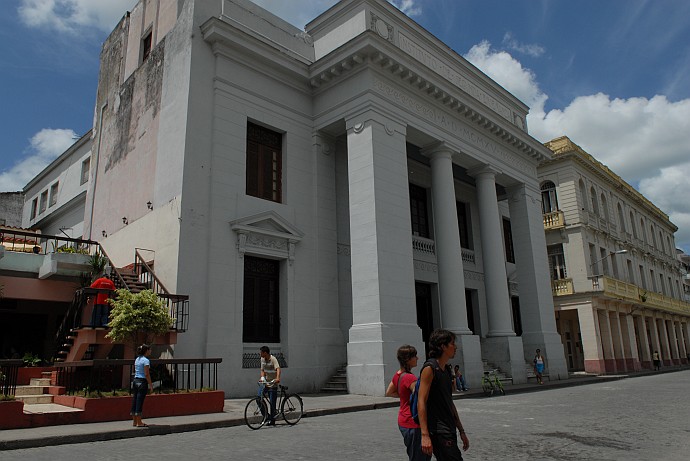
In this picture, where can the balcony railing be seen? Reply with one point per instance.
(554, 220)
(423, 245)
(618, 289)
(33, 242)
(562, 287)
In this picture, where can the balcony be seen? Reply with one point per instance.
(613, 288)
(562, 287)
(554, 220)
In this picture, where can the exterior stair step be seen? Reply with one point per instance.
(39, 382)
(338, 382)
(35, 399)
(26, 391)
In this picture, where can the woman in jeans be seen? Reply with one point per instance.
(402, 385)
(142, 383)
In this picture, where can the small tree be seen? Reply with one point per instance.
(137, 317)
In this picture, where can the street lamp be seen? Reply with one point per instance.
(618, 252)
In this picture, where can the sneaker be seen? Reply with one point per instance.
(466, 389)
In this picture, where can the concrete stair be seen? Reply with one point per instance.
(34, 393)
(337, 383)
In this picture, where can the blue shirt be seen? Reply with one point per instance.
(140, 365)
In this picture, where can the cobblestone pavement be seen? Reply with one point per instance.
(645, 418)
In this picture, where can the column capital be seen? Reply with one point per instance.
(357, 121)
(437, 149)
(483, 170)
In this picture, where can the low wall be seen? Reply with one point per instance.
(112, 409)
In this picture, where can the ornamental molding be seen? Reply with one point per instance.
(266, 234)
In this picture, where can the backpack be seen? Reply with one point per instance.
(414, 397)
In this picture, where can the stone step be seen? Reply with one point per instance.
(35, 399)
(28, 390)
(39, 382)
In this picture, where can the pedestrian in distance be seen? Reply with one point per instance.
(270, 373)
(539, 365)
(402, 385)
(459, 380)
(657, 362)
(438, 417)
(142, 383)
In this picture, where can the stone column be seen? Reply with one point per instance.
(664, 339)
(683, 350)
(673, 340)
(607, 340)
(500, 347)
(592, 343)
(451, 279)
(630, 339)
(617, 338)
(654, 330)
(536, 299)
(384, 313)
(645, 358)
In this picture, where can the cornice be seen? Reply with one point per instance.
(369, 49)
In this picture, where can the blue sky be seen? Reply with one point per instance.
(613, 75)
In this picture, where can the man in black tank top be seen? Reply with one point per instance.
(438, 417)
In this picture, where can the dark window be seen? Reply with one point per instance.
(44, 201)
(85, 169)
(264, 163)
(53, 194)
(261, 301)
(508, 241)
(34, 207)
(463, 225)
(469, 304)
(146, 43)
(517, 318)
(418, 211)
(425, 318)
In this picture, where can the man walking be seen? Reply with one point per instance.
(438, 417)
(270, 372)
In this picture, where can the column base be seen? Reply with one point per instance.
(469, 357)
(372, 355)
(552, 350)
(505, 352)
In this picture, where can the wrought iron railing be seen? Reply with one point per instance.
(9, 372)
(168, 375)
(33, 242)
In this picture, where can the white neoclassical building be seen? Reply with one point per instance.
(333, 192)
(617, 283)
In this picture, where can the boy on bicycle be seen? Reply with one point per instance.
(270, 372)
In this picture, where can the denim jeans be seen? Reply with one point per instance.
(272, 397)
(413, 443)
(100, 316)
(140, 388)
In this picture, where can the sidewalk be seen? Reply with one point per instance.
(233, 415)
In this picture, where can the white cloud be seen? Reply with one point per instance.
(531, 49)
(45, 146)
(645, 141)
(69, 16)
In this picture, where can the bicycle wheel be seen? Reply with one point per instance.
(256, 413)
(292, 409)
(487, 388)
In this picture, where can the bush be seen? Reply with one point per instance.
(137, 317)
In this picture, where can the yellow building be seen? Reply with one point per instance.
(617, 283)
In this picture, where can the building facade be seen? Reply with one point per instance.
(617, 283)
(333, 193)
(11, 206)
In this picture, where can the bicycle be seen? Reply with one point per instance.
(256, 413)
(491, 383)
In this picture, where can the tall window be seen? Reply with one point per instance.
(644, 231)
(264, 163)
(583, 194)
(44, 201)
(643, 279)
(261, 314)
(34, 208)
(464, 225)
(632, 224)
(595, 205)
(604, 261)
(593, 263)
(557, 262)
(419, 212)
(53, 194)
(508, 241)
(605, 207)
(631, 274)
(85, 169)
(621, 217)
(549, 200)
(146, 45)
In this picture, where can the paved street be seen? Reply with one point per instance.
(643, 418)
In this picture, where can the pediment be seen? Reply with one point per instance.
(266, 234)
(268, 223)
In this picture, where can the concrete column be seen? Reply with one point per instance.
(607, 340)
(451, 279)
(329, 335)
(654, 331)
(673, 340)
(645, 358)
(617, 338)
(664, 339)
(592, 343)
(682, 342)
(384, 314)
(536, 299)
(632, 359)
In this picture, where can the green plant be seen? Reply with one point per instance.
(31, 360)
(6, 398)
(137, 317)
(643, 296)
(98, 263)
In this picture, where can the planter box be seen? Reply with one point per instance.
(155, 405)
(12, 414)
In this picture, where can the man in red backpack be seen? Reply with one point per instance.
(100, 316)
(438, 417)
